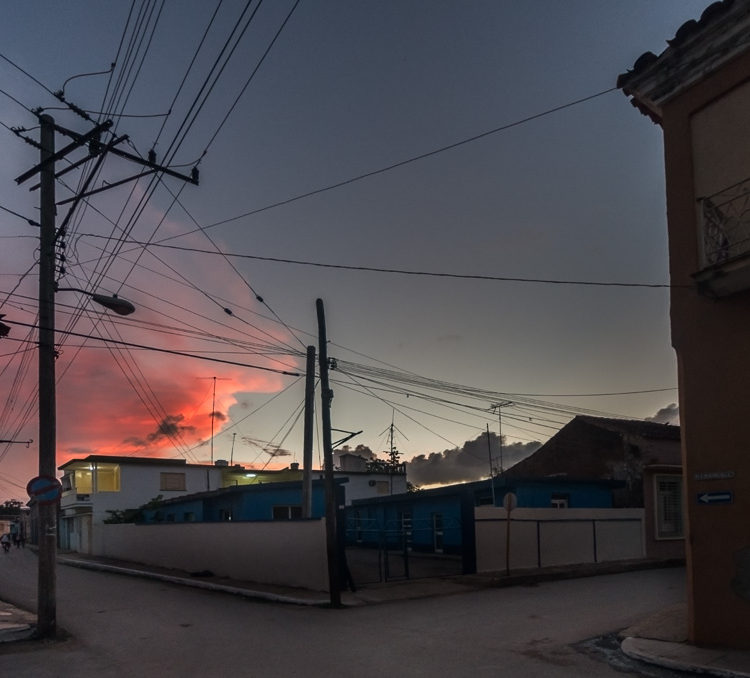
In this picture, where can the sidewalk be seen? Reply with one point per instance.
(660, 639)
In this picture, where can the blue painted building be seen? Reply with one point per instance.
(441, 520)
(267, 501)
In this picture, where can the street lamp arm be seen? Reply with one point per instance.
(113, 303)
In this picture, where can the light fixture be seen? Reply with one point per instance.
(113, 303)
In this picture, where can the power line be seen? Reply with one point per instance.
(31, 222)
(402, 163)
(160, 350)
(26, 73)
(400, 271)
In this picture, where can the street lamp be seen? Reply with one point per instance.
(113, 303)
(47, 513)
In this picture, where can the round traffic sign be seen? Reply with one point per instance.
(44, 489)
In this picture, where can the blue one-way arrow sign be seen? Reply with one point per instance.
(715, 498)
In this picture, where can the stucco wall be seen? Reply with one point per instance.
(547, 537)
(705, 133)
(287, 553)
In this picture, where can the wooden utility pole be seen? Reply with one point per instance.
(326, 395)
(307, 449)
(47, 513)
(48, 235)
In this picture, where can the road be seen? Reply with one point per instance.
(124, 626)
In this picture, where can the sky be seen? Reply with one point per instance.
(479, 141)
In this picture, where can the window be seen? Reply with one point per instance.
(172, 482)
(107, 477)
(188, 517)
(438, 532)
(382, 487)
(84, 481)
(287, 512)
(668, 490)
(560, 500)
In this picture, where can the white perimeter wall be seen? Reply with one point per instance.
(547, 537)
(286, 553)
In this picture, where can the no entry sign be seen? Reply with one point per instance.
(44, 489)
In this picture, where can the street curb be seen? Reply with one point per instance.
(208, 586)
(680, 657)
(16, 633)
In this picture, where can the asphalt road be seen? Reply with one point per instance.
(124, 626)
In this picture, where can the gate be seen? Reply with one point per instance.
(403, 548)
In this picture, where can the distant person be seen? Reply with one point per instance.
(14, 532)
(5, 541)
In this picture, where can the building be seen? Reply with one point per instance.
(442, 521)
(266, 501)
(698, 91)
(643, 456)
(98, 485)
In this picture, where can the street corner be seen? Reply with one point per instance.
(15, 624)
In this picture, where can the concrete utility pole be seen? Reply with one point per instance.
(47, 513)
(307, 449)
(326, 396)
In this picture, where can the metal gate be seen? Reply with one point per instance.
(402, 549)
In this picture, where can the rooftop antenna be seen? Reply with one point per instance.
(213, 411)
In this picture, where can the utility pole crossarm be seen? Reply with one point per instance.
(81, 196)
(77, 143)
(193, 178)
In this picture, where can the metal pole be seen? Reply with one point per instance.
(500, 435)
(307, 450)
(492, 474)
(47, 513)
(331, 509)
(213, 416)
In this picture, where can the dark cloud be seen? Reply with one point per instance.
(80, 450)
(219, 416)
(359, 450)
(469, 462)
(667, 415)
(135, 441)
(169, 427)
(277, 452)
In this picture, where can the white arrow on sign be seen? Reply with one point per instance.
(715, 498)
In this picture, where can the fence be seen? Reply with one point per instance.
(405, 549)
(547, 537)
(286, 553)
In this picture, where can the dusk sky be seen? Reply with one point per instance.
(348, 88)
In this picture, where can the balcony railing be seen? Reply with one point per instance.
(724, 240)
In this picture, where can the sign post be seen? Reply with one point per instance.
(510, 501)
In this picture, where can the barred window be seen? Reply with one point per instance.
(668, 490)
(287, 512)
(172, 482)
